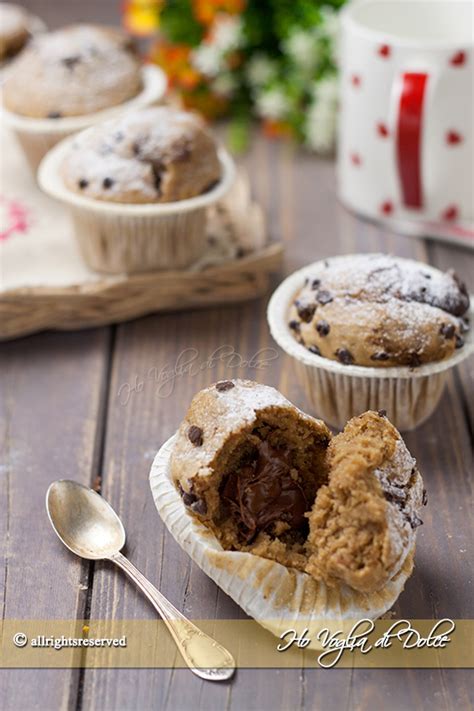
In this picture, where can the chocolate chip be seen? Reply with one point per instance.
(447, 330)
(324, 297)
(195, 435)
(83, 183)
(157, 171)
(424, 499)
(382, 413)
(323, 328)
(427, 276)
(199, 506)
(136, 148)
(188, 499)
(379, 355)
(107, 183)
(224, 385)
(459, 341)
(305, 311)
(315, 350)
(414, 360)
(344, 356)
(54, 114)
(295, 326)
(70, 62)
(396, 495)
(315, 283)
(414, 520)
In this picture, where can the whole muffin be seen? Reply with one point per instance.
(379, 310)
(154, 155)
(74, 71)
(14, 29)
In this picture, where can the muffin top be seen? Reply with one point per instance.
(379, 310)
(73, 72)
(14, 29)
(155, 155)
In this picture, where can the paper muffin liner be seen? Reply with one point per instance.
(124, 237)
(37, 136)
(339, 392)
(278, 598)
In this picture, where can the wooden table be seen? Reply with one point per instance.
(61, 416)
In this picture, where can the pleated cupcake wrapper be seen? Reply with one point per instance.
(37, 136)
(116, 237)
(278, 598)
(338, 392)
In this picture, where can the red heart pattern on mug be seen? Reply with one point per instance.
(382, 129)
(356, 159)
(355, 80)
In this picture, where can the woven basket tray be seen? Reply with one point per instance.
(45, 284)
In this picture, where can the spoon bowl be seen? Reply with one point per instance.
(84, 521)
(91, 529)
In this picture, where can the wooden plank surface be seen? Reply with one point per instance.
(62, 417)
(52, 390)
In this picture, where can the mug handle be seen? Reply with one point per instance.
(409, 109)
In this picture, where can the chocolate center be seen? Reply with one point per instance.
(263, 492)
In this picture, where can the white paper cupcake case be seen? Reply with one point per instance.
(278, 598)
(338, 392)
(117, 237)
(37, 136)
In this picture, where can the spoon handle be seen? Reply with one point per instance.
(203, 655)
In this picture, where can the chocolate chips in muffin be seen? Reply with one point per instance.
(74, 71)
(381, 311)
(269, 480)
(154, 155)
(258, 470)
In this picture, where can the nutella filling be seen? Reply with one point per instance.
(263, 492)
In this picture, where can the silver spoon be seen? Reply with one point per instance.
(90, 528)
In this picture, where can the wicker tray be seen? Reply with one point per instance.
(45, 284)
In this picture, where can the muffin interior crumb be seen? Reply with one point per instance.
(263, 485)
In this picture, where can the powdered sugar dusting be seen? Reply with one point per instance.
(72, 72)
(380, 278)
(219, 415)
(126, 159)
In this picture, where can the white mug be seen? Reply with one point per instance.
(407, 112)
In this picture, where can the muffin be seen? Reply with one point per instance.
(68, 80)
(363, 521)
(372, 332)
(156, 155)
(74, 71)
(268, 479)
(138, 188)
(14, 29)
(298, 527)
(378, 310)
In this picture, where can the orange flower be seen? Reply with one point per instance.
(142, 17)
(206, 10)
(206, 103)
(276, 129)
(175, 60)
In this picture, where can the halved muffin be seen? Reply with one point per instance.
(267, 479)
